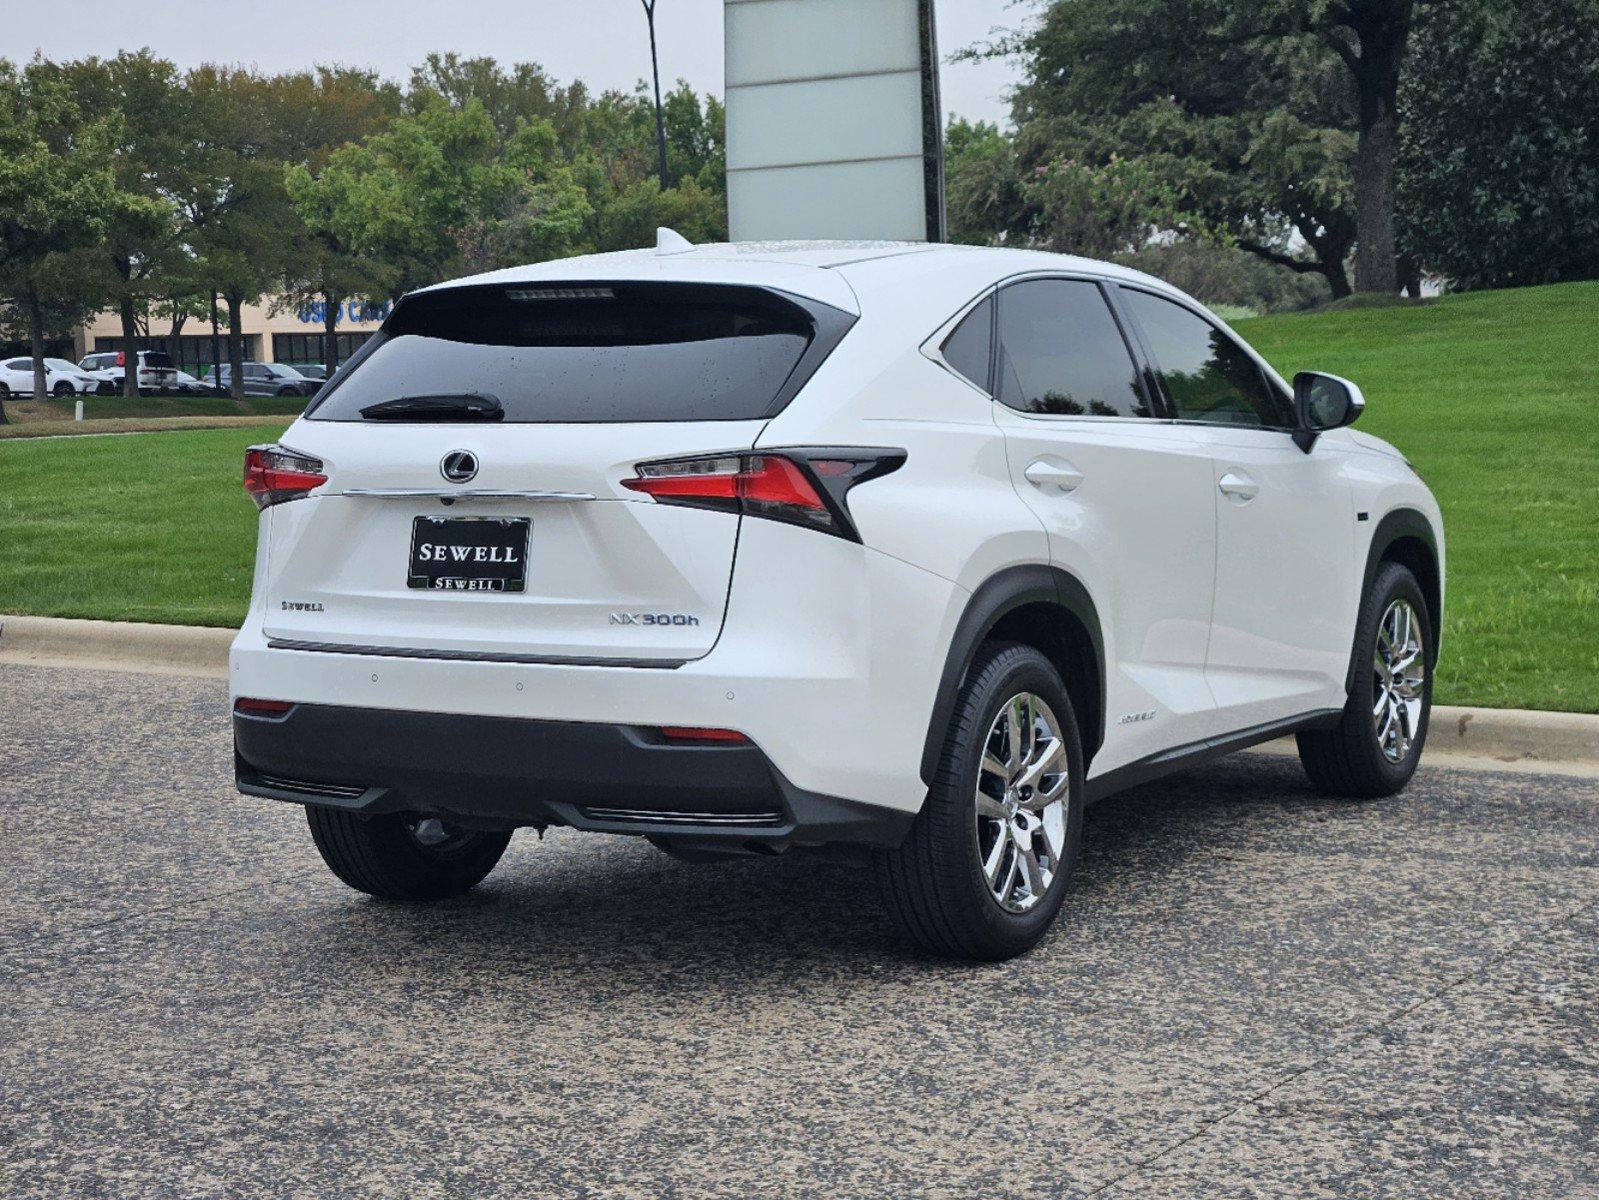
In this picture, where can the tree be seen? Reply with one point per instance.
(1275, 116)
(332, 269)
(141, 230)
(57, 191)
(1499, 184)
(982, 184)
(440, 191)
(229, 188)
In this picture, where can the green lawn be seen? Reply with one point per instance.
(97, 408)
(144, 527)
(1493, 396)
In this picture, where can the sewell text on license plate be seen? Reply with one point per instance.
(469, 554)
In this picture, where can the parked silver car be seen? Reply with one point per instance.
(266, 379)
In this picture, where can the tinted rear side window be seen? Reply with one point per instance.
(1061, 353)
(966, 349)
(586, 353)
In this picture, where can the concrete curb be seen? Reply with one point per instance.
(1489, 735)
(116, 645)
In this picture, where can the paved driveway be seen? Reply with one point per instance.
(1252, 991)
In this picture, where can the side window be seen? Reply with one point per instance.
(966, 349)
(1208, 374)
(1061, 353)
(255, 371)
(19, 364)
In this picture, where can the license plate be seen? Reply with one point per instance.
(469, 554)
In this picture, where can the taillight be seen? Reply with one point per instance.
(800, 486)
(273, 474)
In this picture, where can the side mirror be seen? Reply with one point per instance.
(1323, 402)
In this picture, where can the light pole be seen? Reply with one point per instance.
(655, 68)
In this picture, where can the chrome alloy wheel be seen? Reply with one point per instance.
(1401, 670)
(1023, 787)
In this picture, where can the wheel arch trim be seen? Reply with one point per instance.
(1003, 593)
(1397, 525)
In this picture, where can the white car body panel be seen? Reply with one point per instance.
(1216, 616)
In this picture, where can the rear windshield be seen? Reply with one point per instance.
(157, 358)
(585, 352)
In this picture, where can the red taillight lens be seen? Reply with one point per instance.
(801, 487)
(693, 733)
(273, 475)
(122, 358)
(261, 708)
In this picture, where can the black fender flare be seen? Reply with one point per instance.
(1402, 523)
(999, 594)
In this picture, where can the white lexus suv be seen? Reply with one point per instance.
(912, 549)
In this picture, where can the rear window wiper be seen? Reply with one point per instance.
(444, 406)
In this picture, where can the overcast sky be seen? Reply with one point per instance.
(603, 42)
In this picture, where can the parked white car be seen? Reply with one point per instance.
(156, 370)
(913, 548)
(61, 378)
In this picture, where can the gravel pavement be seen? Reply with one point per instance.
(1252, 991)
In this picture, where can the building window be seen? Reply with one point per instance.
(307, 347)
(190, 351)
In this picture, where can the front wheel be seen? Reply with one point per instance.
(404, 856)
(1374, 749)
(983, 871)
(62, 390)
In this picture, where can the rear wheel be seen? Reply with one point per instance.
(1377, 743)
(404, 856)
(983, 871)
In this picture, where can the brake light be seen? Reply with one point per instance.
(800, 486)
(122, 358)
(273, 474)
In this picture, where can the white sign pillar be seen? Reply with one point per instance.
(833, 121)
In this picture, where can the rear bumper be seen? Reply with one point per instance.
(503, 772)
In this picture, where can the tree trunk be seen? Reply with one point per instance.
(1382, 48)
(41, 388)
(236, 348)
(130, 347)
(174, 345)
(330, 331)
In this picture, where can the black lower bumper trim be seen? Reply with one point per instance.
(503, 772)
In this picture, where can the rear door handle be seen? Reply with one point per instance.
(1238, 487)
(1054, 473)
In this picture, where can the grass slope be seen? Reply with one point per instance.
(147, 527)
(1492, 396)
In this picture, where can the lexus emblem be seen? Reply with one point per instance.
(459, 466)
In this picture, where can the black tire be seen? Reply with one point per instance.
(5, 392)
(62, 390)
(383, 857)
(1349, 760)
(289, 391)
(933, 883)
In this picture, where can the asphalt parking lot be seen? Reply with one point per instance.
(1253, 991)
